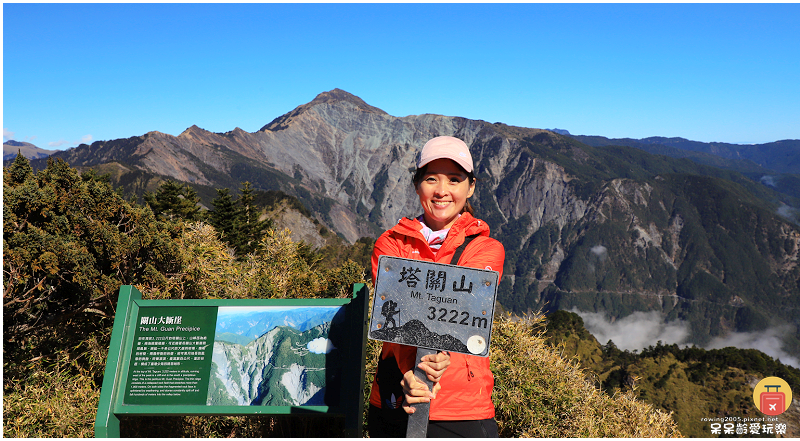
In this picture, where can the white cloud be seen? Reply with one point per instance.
(788, 212)
(85, 139)
(320, 345)
(599, 250)
(768, 180)
(7, 134)
(768, 341)
(636, 331)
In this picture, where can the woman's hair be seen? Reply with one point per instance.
(420, 173)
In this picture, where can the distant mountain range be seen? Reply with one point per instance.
(702, 232)
(773, 157)
(251, 325)
(12, 148)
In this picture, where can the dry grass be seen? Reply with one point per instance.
(51, 404)
(53, 394)
(251, 426)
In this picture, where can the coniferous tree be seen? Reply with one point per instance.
(237, 220)
(225, 217)
(250, 228)
(18, 171)
(174, 201)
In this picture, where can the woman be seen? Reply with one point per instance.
(461, 400)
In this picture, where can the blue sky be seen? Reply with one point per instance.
(713, 72)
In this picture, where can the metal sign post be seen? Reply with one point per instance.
(435, 307)
(417, 426)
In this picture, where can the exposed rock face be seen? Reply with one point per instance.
(340, 149)
(301, 227)
(542, 192)
(354, 154)
(276, 369)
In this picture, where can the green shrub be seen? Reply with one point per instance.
(538, 393)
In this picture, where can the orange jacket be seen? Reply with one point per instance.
(466, 392)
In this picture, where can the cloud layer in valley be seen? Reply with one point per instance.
(767, 341)
(636, 331)
(642, 329)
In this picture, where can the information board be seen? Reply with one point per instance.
(434, 305)
(235, 357)
(171, 359)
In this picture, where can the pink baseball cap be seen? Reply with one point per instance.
(446, 147)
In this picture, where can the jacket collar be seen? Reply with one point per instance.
(466, 224)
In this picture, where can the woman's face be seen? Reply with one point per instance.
(443, 192)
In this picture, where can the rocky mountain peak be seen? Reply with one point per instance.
(336, 95)
(156, 133)
(194, 129)
(330, 97)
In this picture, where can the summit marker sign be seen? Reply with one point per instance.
(434, 305)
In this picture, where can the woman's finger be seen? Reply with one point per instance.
(413, 387)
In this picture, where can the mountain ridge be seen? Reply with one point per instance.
(604, 228)
(741, 156)
(11, 148)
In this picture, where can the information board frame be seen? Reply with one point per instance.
(121, 350)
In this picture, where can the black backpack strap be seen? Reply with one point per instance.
(461, 248)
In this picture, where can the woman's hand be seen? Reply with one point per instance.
(416, 391)
(434, 366)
